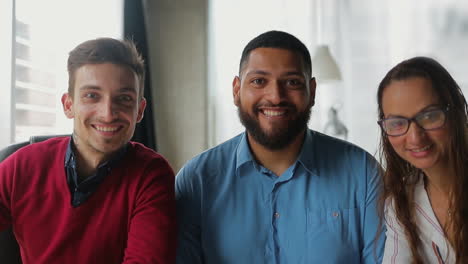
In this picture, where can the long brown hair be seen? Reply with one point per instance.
(400, 176)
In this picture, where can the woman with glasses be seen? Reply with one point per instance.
(424, 150)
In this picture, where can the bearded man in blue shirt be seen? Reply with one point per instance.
(279, 192)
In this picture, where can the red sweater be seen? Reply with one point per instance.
(130, 218)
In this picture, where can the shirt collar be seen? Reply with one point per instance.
(243, 153)
(70, 156)
(308, 153)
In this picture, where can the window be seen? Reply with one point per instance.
(38, 45)
(366, 37)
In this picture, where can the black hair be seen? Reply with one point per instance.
(280, 40)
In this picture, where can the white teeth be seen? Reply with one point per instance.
(273, 113)
(106, 129)
(421, 149)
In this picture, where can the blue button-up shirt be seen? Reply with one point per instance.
(322, 209)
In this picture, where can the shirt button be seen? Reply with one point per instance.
(335, 214)
(277, 215)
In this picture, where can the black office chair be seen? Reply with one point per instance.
(9, 249)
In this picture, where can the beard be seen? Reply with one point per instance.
(279, 137)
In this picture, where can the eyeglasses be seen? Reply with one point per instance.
(427, 120)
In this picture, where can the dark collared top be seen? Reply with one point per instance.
(81, 190)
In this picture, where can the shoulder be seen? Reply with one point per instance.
(53, 144)
(335, 145)
(141, 152)
(46, 151)
(146, 158)
(335, 150)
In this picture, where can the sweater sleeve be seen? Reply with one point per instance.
(6, 176)
(152, 232)
(397, 249)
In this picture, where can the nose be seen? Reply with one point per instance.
(275, 93)
(415, 133)
(108, 110)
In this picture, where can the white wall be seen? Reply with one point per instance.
(177, 40)
(196, 47)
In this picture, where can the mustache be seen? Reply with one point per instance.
(282, 104)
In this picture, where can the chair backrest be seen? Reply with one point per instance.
(4, 153)
(9, 249)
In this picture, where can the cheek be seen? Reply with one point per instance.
(397, 142)
(301, 99)
(440, 137)
(245, 100)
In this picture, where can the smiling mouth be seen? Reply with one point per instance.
(421, 149)
(107, 128)
(273, 113)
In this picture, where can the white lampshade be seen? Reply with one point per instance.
(324, 66)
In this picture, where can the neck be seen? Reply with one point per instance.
(440, 178)
(277, 161)
(87, 160)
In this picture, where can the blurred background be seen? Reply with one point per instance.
(192, 49)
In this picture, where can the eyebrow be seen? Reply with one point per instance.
(257, 72)
(97, 88)
(425, 109)
(290, 73)
(128, 89)
(89, 87)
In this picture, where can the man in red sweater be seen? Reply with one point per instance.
(94, 197)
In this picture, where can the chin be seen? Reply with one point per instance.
(107, 148)
(424, 165)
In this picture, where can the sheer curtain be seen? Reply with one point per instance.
(365, 37)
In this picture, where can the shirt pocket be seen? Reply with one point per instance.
(333, 230)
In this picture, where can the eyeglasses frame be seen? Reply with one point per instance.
(413, 119)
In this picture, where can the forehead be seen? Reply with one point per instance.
(273, 60)
(106, 77)
(408, 97)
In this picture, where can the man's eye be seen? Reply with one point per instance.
(125, 98)
(90, 95)
(294, 82)
(258, 81)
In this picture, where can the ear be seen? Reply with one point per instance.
(312, 88)
(236, 83)
(67, 104)
(141, 109)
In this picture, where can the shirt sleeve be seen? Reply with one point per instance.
(153, 227)
(372, 251)
(397, 249)
(188, 195)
